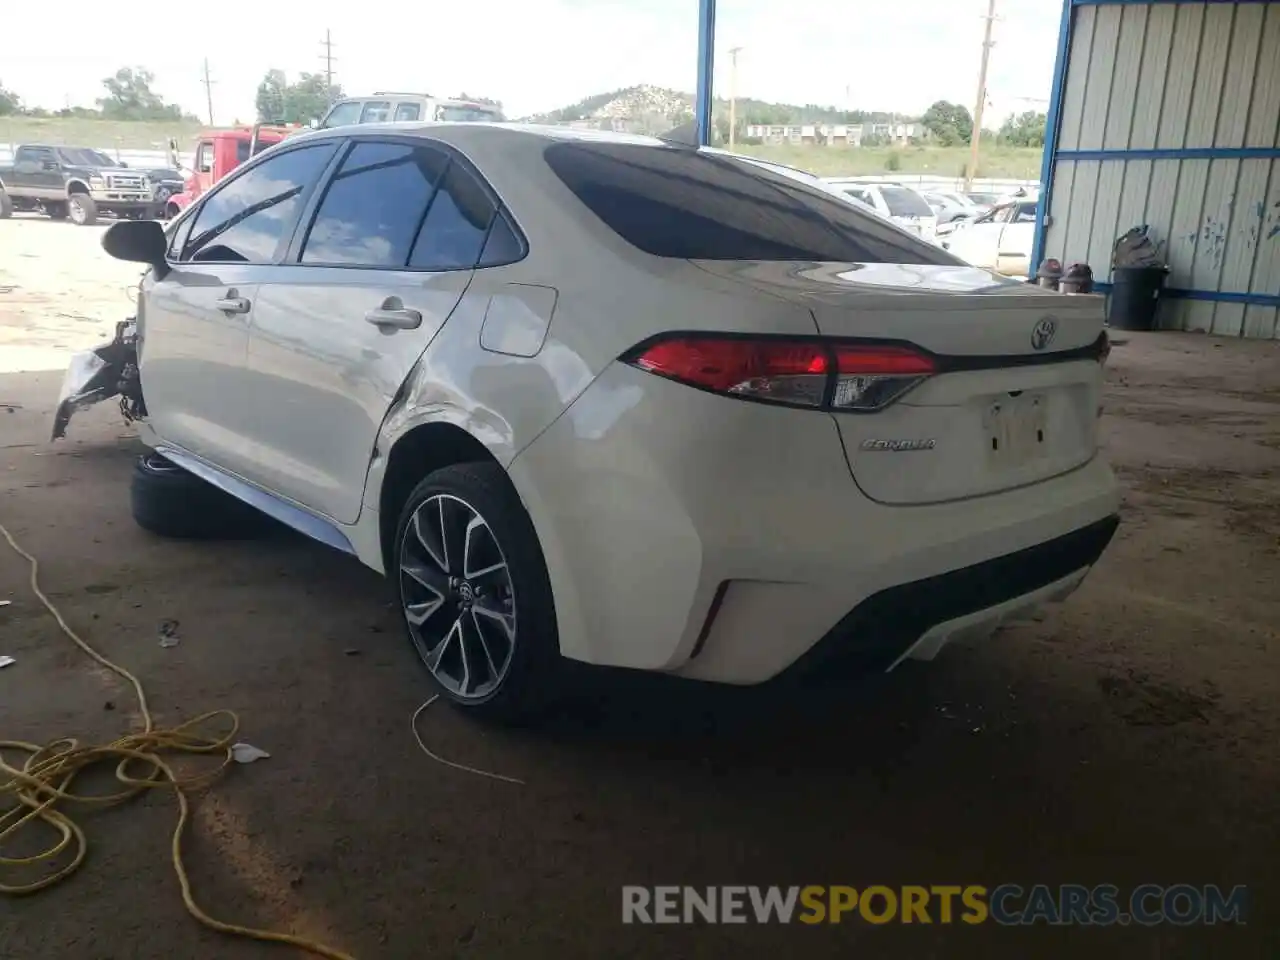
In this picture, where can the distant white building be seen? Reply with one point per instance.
(835, 134)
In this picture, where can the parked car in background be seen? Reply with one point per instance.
(902, 205)
(987, 200)
(801, 434)
(385, 107)
(795, 173)
(950, 206)
(76, 183)
(165, 181)
(999, 240)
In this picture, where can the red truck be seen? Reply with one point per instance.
(218, 152)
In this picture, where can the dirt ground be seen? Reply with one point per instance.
(1127, 736)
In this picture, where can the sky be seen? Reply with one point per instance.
(538, 55)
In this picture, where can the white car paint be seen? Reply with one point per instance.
(1000, 240)
(684, 530)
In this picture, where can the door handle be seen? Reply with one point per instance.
(232, 304)
(388, 320)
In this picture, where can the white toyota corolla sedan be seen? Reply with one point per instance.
(610, 399)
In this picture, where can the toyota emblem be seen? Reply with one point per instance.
(1042, 333)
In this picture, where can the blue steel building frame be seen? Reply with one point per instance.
(1052, 154)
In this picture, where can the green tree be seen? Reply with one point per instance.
(130, 97)
(1024, 130)
(309, 97)
(950, 123)
(272, 92)
(279, 101)
(10, 102)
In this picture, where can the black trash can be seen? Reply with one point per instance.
(1135, 294)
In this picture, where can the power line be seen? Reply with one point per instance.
(208, 89)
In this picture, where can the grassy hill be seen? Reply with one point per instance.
(76, 131)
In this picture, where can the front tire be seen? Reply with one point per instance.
(82, 209)
(171, 502)
(6, 206)
(475, 594)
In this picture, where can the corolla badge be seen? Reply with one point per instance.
(1042, 333)
(898, 445)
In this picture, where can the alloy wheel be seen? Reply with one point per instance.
(457, 596)
(76, 209)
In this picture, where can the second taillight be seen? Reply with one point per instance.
(832, 374)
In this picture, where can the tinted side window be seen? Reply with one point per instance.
(673, 202)
(376, 111)
(503, 245)
(246, 220)
(343, 114)
(408, 111)
(454, 232)
(373, 206)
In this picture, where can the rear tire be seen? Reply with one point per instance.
(6, 206)
(475, 594)
(171, 502)
(82, 209)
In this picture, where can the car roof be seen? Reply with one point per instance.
(461, 134)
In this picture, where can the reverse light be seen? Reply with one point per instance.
(830, 374)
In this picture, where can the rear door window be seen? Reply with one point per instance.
(680, 203)
(249, 216)
(374, 205)
(457, 224)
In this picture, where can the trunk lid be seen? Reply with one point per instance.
(1013, 403)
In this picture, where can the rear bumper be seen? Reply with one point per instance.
(914, 620)
(721, 540)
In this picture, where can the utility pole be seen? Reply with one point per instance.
(327, 43)
(972, 169)
(208, 90)
(733, 94)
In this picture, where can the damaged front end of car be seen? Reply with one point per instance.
(108, 370)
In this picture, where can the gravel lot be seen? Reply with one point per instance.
(1128, 736)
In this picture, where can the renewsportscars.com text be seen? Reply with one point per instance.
(1007, 904)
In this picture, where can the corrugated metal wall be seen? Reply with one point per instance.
(1154, 77)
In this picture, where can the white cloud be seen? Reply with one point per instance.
(541, 54)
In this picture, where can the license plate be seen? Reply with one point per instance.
(1016, 429)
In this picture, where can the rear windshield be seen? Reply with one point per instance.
(676, 202)
(905, 203)
(459, 114)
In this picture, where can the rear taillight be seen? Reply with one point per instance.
(832, 374)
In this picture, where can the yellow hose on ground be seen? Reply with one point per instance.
(44, 782)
